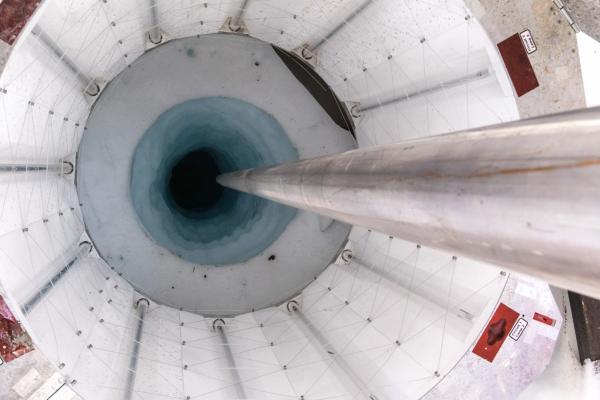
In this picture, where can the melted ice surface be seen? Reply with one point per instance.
(238, 135)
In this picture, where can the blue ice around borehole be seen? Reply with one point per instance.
(237, 135)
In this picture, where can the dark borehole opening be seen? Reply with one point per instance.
(193, 184)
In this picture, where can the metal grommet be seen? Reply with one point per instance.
(142, 299)
(233, 29)
(306, 54)
(347, 255)
(218, 323)
(160, 39)
(292, 306)
(85, 242)
(93, 89)
(68, 167)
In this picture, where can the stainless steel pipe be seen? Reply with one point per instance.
(522, 195)
(61, 167)
(429, 287)
(141, 306)
(89, 85)
(458, 82)
(233, 369)
(236, 22)
(337, 359)
(79, 252)
(154, 34)
(326, 37)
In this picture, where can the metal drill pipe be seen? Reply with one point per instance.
(524, 195)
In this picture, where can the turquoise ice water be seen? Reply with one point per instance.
(191, 142)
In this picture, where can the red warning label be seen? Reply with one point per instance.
(544, 319)
(496, 332)
(518, 65)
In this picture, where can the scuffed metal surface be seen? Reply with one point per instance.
(446, 190)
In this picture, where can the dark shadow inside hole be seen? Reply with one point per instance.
(193, 184)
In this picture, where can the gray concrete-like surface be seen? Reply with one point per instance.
(13, 372)
(586, 14)
(556, 61)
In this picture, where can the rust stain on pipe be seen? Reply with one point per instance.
(546, 168)
(509, 171)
